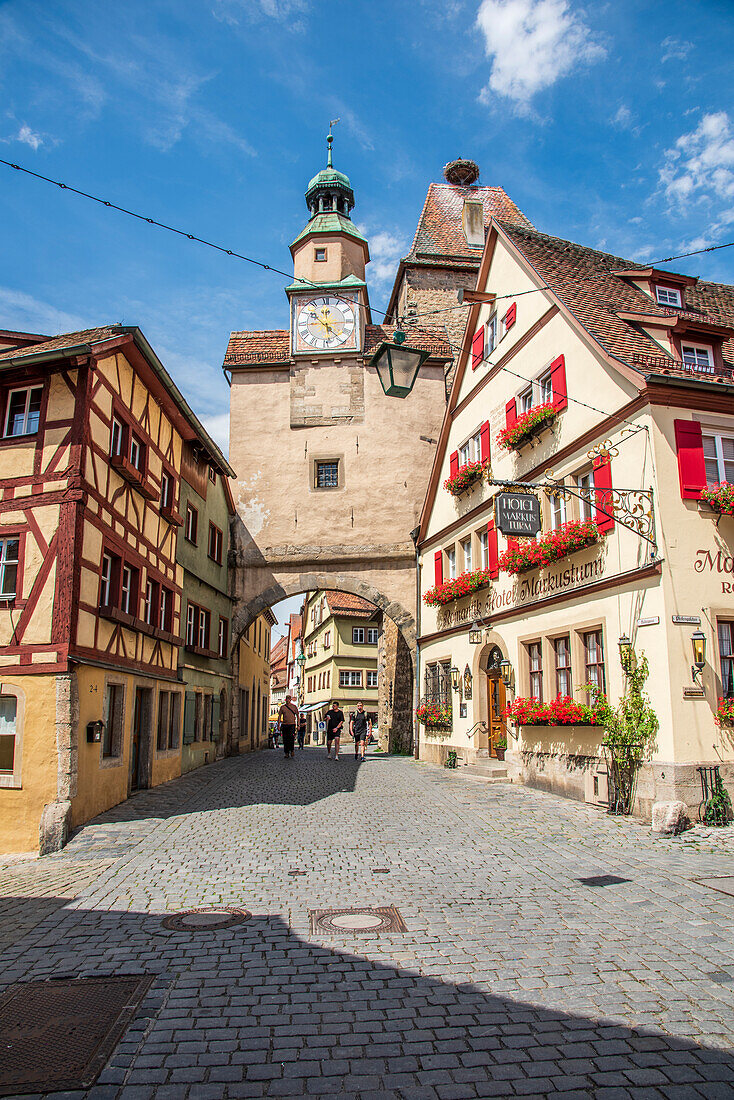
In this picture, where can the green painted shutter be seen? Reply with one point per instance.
(189, 717)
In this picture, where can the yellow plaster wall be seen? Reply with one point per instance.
(21, 809)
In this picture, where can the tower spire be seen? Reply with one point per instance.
(330, 142)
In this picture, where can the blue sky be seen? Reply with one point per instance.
(610, 124)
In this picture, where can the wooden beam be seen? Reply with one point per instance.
(474, 296)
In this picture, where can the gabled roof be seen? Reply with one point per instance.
(584, 280)
(439, 235)
(89, 341)
(348, 605)
(273, 345)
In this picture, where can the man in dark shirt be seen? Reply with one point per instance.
(288, 718)
(359, 727)
(334, 726)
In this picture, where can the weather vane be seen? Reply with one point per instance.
(330, 140)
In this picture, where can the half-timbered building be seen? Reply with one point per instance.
(601, 391)
(90, 587)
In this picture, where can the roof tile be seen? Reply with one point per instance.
(439, 234)
(273, 346)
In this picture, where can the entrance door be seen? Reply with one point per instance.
(140, 749)
(497, 703)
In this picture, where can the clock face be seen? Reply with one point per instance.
(325, 323)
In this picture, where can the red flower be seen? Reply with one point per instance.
(456, 588)
(563, 711)
(434, 715)
(525, 425)
(725, 712)
(533, 553)
(721, 498)
(465, 476)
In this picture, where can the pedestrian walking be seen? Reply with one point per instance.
(334, 726)
(288, 718)
(359, 727)
(302, 731)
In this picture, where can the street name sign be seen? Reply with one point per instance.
(517, 514)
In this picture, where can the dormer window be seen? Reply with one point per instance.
(698, 357)
(668, 296)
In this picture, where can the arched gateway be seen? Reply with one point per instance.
(332, 473)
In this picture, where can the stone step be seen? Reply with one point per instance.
(486, 772)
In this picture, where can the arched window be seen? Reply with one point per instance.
(12, 708)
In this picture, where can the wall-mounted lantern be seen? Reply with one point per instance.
(475, 633)
(698, 641)
(455, 678)
(95, 731)
(626, 653)
(506, 671)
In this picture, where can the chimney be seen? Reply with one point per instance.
(472, 222)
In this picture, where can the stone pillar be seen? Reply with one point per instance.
(56, 817)
(396, 688)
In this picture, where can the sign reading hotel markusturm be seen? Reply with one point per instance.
(517, 514)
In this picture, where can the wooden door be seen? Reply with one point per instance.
(140, 748)
(497, 703)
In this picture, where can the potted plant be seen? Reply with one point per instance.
(720, 498)
(465, 477)
(527, 425)
(434, 716)
(725, 712)
(500, 745)
(550, 547)
(462, 585)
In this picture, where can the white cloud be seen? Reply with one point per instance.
(700, 166)
(623, 118)
(29, 137)
(675, 50)
(386, 248)
(283, 11)
(21, 312)
(532, 44)
(218, 428)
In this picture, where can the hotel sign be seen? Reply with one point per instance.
(517, 514)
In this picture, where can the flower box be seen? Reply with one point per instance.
(721, 498)
(527, 425)
(465, 477)
(454, 589)
(725, 712)
(533, 553)
(434, 716)
(563, 711)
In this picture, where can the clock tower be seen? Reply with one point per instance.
(329, 305)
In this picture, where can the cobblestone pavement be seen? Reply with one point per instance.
(513, 978)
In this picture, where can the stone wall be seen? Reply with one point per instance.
(396, 689)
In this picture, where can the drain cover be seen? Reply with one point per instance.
(384, 918)
(603, 880)
(207, 919)
(58, 1034)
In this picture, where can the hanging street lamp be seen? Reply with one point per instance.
(475, 633)
(397, 365)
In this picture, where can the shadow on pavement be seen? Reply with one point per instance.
(259, 1010)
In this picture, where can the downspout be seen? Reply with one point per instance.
(417, 686)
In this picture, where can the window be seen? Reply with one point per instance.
(212, 475)
(319, 255)
(371, 678)
(137, 454)
(726, 657)
(109, 580)
(358, 635)
(594, 650)
(562, 647)
(437, 683)
(203, 633)
(718, 453)
(327, 475)
(350, 679)
(8, 731)
(191, 624)
(151, 602)
(166, 491)
(9, 558)
(471, 451)
(698, 357)
(165, 609)
(585, 488)
(113, 722)
(484, 549)
(117, 437)
(451, 563)
(525, 400)
(24, 411)
(535, 659)
(466, 553)
(545, 389)
(191, 530)
(668, 296)
(215, 544)
(223, 638)
(372, 633)
(129, 590)
(557, 511)
(327, 639)
(540, 392)
(491, 334)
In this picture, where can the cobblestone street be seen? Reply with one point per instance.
(513, 977)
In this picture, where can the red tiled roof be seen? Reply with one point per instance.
(68, 340)
(345, 603)
(583, 279)
(273, 346)
(439, 233)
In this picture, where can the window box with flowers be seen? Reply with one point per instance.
(565, 540)
(720, 498)
(563, 711)
(434, 716)
(725, 712)
(466, 476)
(462, 585)
(527, 426)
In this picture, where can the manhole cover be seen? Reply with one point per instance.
(58, 1034)
(603, 880)
(384, 918)
(724, 884)
(207, 919)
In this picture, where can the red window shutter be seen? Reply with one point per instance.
(484, 442)
(602, 487)
(438, 567)
(493, 551)
(510, 412)
(558, 383)
(454, 463)
(691, 463)
(510, 316)
(477, 349)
